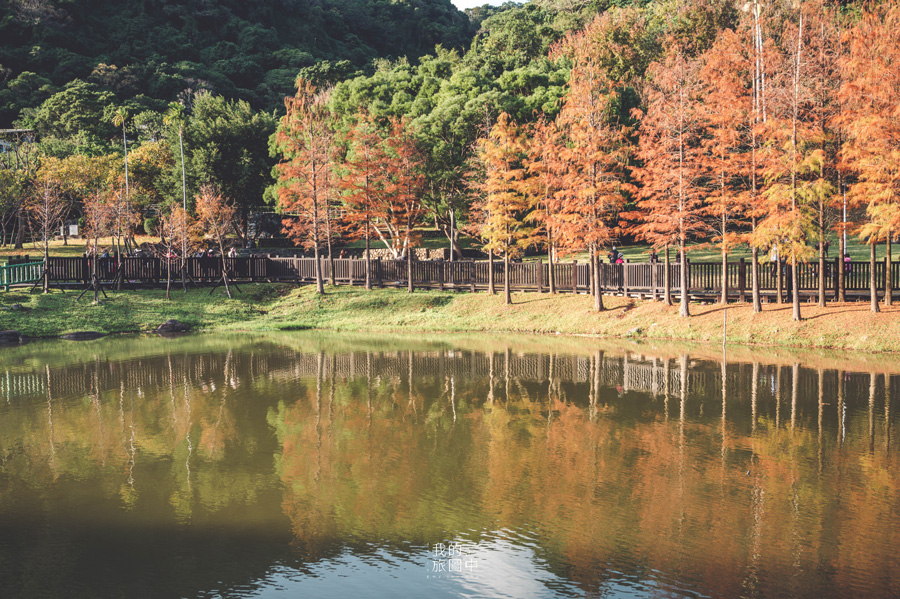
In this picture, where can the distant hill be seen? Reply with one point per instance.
(155, 49)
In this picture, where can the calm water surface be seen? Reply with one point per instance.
(304, 465)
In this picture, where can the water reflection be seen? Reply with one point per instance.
(328, 465)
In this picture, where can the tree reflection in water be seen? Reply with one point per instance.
(304, 451)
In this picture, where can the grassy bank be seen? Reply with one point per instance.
(284, 307)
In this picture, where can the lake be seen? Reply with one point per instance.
(321, 465)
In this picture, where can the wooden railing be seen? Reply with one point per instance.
(20, 274)
(704, 278)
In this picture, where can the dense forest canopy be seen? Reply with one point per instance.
(155, 49)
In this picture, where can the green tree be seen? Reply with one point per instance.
(75, 120)
(227, 146)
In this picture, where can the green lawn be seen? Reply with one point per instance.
(281, 307)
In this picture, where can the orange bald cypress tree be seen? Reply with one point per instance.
(305, 188)
(670, 192)
(593, 152)
(870, 94)
(363, 182)
(793, 158)
(726, 104)
(825, 51)
(401, 209)
(506, 194)
(545, 167)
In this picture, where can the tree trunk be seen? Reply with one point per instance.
(330, 260)
(888, 283)
(47, 266)
(168, 277)
(754, 276)
(592, 266)
(452, 234)
(506, 292)
(491, 288)
(724, 298)
(598, 289)
(120, 272)
(684, 309)
(96, 271)
(873, 287)
(409, 269)
(779, 283)
(20, 231)
(667, 281)
(368, 260)
(821, 277)
(551, 277)
(225, 273)
(795, 287)
(842, 272)
(320, 285)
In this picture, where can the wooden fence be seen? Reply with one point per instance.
(704, 278)
(21, 273)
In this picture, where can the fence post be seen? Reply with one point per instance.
(540, 275)
(742, 279)
(624, 280)
(574, 276)
(472, 275)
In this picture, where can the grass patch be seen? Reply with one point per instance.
(278, 307)
(129, 311)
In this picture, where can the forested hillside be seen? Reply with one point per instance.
(155, 49)
(562, 124)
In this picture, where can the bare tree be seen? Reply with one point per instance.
(47, 208)
(215, 216)
(175, 230)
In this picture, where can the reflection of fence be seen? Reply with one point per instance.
(651, 376)
(477, 375)
(21, 384)
(704, 279)
(20, 274)
(648, 376)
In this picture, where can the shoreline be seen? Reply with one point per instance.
(283, 307)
